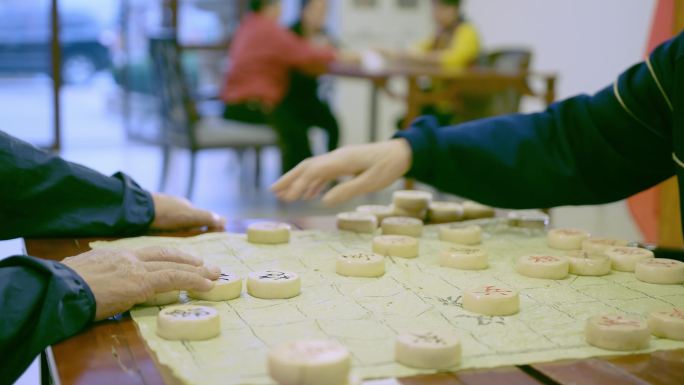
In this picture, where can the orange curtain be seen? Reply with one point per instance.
(645, 206)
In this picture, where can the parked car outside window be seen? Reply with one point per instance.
(25, 38)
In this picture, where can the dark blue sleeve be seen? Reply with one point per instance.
(43, 195)
(41, 303)
(583, 150)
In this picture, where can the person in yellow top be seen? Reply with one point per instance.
(455, 45)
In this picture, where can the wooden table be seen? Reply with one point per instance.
(113, 352)
(472, 81)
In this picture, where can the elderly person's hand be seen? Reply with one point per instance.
(172, 213)
(120, 279)
(374, 167)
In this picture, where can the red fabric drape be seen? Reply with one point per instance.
(645, 206)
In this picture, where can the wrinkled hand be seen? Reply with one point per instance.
(173, 213)
(374, 167)
(120, 279)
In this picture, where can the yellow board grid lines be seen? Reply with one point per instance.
(366, 314)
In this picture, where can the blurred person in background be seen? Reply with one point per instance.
(262, 57)
(454, 45)
(305, 95)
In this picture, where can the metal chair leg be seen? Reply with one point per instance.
(166, 160)
(240, 155)
(257, 169)
(191, 178)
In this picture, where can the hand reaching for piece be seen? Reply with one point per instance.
(173, 213)
(120, 279)
(374, 167)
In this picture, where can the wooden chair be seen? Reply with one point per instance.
(505, 100)
(494, 87)
(181, 124)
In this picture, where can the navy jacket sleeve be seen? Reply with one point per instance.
(42, 302)
(43, 195)
(584, 150)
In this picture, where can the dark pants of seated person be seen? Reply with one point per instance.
(291, 119)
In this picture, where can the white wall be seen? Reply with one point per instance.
(587, 42)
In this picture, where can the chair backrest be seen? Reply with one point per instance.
(507, 60)
(506, 101)
(177, 107)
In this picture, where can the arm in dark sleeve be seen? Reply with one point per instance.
(41, 303)
(584, 150)
(46, 196)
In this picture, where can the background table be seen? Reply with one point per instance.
(469, 80)
(112, 352)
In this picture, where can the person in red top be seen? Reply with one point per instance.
(262, 56)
